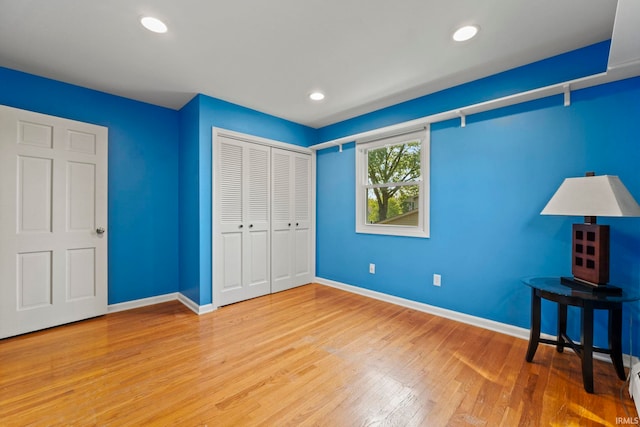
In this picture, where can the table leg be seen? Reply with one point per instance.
(534, 335)
(562, 326)
(615, 339)
(586, 338)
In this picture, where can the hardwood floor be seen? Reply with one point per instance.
(309, 356)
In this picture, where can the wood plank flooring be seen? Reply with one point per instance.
(309, 356)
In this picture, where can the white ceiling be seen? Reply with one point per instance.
(269, 55)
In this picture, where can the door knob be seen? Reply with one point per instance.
(100, 230)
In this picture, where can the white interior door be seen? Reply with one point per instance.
(53, 221)
(242, 244)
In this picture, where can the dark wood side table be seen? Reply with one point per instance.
(551, 288)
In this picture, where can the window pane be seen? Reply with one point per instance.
(394, 163)
(393, 205)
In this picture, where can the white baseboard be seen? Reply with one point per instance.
(480, 322)
(175, 296)
(197, 309)
(129, 305)
(491, 325)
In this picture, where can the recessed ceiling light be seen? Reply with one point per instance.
(465, 33)
(316, 96)
(153, 24)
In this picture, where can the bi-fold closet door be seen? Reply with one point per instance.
(241, 249)
(262, 225)
(291, 219)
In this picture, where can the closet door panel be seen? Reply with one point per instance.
(230, 189)
(231, 256)
(302, 259)
(302, 190)
(242, 243)
(229, 166)
(282, 220)
(302, 256)
(291, 225)
(256, 220)
(258, 262)
(281, 262)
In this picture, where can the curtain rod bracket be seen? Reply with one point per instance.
(340, 150)
(567, 95)
(463, 119)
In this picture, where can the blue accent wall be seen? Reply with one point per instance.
(489, 182)
(143, 177)
(196, 172)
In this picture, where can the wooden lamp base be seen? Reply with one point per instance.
(590, 254)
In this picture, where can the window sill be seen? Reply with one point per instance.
(392, 230)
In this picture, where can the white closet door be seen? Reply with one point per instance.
(256, 263)
(282, 235)
(291, 225)
(53, 245)
(228, 252)
(302, 259)
(241, 248)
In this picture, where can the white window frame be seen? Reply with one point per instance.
(362, 183)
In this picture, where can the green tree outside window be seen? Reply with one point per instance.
(391, 197)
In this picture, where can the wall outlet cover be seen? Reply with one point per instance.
(437, 280)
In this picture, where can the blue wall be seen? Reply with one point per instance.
(188, 196)
(195, 178)
(489, 181)
(143, 178)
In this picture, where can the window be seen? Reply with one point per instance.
(392, 185)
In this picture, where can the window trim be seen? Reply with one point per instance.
(362, 182)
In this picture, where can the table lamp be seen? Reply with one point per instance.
(591, 196)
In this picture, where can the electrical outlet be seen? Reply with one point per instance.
(372, 268)
(436, 279)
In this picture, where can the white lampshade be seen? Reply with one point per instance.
(603, 195)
